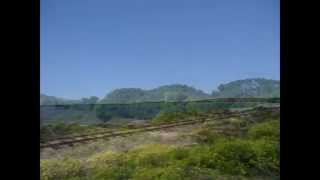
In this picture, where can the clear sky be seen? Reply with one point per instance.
(91, 47)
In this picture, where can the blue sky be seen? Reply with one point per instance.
(91, 47)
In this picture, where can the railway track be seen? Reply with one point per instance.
(70, 140)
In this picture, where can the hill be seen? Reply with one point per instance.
(256, 87)
(174, 92)
(52, 100)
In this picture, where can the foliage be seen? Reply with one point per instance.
(61, 169)
(215, 156)
(80, 113)
(91, 113)
(256, 155)
(233, 157)
(207, 135)
(61, 129)
(269, 130)
(124, 95)
(257, 87)
(262, 115)
(175, 92)
(90, 100)
(163, 117)
(51, 100)
(137, 111)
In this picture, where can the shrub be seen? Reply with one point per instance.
(206, 135)
(120, 172)
(238, 123)
(183, 171)
(139, 163)
(244, 157)
(234, 157)
(179, 154)
(175, 171)
(61, 169)
(269, 130)
(216, 157)
(198, 156)
(153, 155)
(163, 117)
(148, 174)
(103, 159)
(268, 157)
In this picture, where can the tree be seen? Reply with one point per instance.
(175, 96)
(91, 100)
(215, 93)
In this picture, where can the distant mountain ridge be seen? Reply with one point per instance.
(52, 100)
(254, 87)
(175, 92)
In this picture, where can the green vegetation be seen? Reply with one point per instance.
(51, 100)
(174, 92)
(257, 87)
(98, 113)
(136, 111)
(135, 103)
(75, 113)
(61, 129)
(157, 112)
(251, 150)
(164, 117)
(149, 110)
(67, 168)
(253, 155)
(270, 129)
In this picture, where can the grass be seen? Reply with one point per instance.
(216, 156)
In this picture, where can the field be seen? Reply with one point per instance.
(245, 146)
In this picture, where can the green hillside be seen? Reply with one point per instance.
(257, 87)
(52, 100)
(174, 92)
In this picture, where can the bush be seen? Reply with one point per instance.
(268, 157)
(207, 136)
(109, 165)
(177, 170)
(216, 157)
(269, 130)
(234, 157)
(62, 129)
(153, 155)
(148, 174)
(103, 159)
(238, 123)
(122, 172)
(225, 159)
(61, 169)
(140, 162)
(244, 157)
(183, 171)
(179, 154)
(163, 117)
